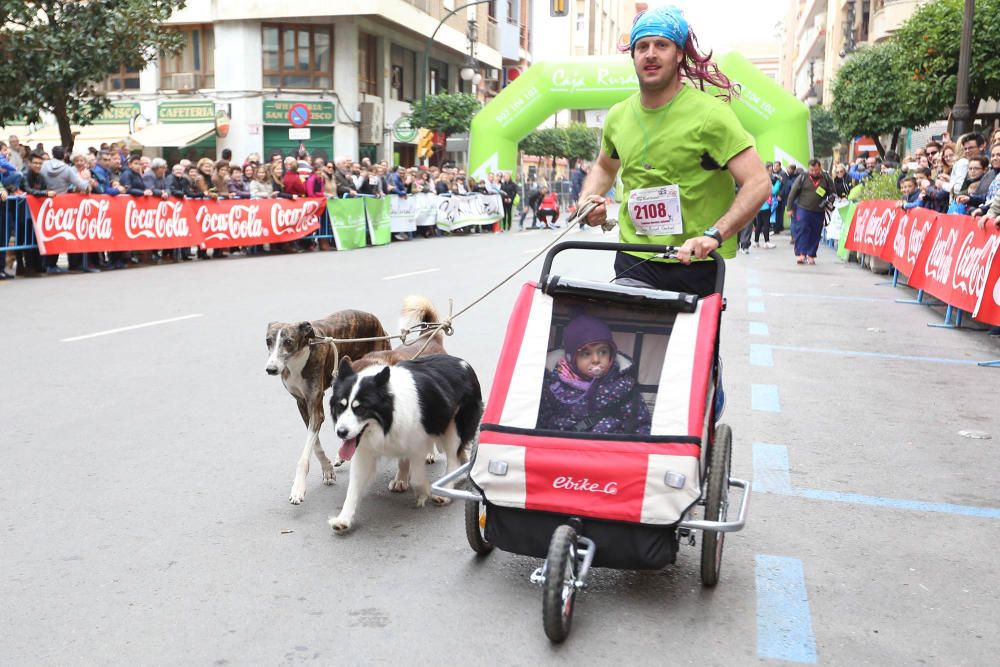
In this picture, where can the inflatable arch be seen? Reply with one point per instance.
(778, 122)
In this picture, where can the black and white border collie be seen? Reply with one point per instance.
(400, 411)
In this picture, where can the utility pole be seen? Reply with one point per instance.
(960, 113)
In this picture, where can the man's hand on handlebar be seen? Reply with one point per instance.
(699, 247)
(599, 215)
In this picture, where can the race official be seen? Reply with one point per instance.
(681, 152)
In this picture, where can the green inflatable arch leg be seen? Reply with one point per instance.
(778, 122)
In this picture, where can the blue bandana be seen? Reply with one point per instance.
(666, 22)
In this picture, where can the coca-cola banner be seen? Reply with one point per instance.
(99, 223)
(955, 260)
(911, 228)
(873, 224)
(988, 308)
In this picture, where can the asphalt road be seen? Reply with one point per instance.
(145, 474)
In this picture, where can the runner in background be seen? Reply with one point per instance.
(681, 152)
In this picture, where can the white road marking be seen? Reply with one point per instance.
(411, 273)
(129, 328)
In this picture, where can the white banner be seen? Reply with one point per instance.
(416, 210)
(459, 211)
(402, 214)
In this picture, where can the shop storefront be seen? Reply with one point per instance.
(289, 124)
(183, 129)
(112, 126)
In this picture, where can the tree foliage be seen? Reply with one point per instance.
(450, 113)
(581, 142)
(872, 97)
(547, 142)
(576, 142)
(56, 52)
(824, 132)
(928, 56)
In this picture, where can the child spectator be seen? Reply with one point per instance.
(589, 390)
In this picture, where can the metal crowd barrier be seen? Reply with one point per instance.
(15, 223)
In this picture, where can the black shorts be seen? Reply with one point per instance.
(695, 278)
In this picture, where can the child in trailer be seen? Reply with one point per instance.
(589, 390)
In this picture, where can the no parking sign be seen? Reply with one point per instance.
(299, 115)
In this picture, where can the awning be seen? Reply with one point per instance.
(86, 136)
(171, 134)
(19, 131)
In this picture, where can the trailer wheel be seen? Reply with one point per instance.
(475, 516)
(559, 588)
(716, 504)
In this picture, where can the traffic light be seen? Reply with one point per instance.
(558, 7)
(425, 143)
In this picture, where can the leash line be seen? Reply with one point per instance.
(430, 329)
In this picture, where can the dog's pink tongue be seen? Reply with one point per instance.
(347, 449)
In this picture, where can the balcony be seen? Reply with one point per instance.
(812, 46)
(805, 19)
(887, 19)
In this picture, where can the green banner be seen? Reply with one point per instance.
(846, 214)
(778, 122)
(379, 220)
(347, 219)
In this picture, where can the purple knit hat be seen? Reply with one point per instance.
(585, 329)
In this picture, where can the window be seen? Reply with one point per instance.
(438, 78)
(404, 70)
(368, 64)
(125, 79)
(194, 65)
(512, 12)
(297, 56)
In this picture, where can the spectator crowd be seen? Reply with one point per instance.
(113, 170)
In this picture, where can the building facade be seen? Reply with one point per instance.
(820, 34)
(338, 77)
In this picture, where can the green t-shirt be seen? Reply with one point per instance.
(690, 141)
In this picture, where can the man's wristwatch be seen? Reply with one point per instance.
(713, 233)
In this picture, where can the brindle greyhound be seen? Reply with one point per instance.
(307, 368)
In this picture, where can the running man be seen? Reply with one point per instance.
(682, 153)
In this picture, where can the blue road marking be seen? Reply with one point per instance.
(760, 355)
(784, 624)
(833, 297)
(770, 469)
(755, 306)
(771, 475)
(759, 329)
(876, 355)
(754, 291)
(764, 397)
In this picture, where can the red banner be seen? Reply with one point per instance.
(99, 223)
(955, 261)
(874, 222)
(988, 308)
(912, 227)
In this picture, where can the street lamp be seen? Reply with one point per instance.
(811, 97)
(961, 113)
(468, 71)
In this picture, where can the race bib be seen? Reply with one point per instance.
(656, 211)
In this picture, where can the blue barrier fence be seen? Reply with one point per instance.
(18, 232)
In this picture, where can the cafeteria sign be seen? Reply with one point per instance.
(276, 112)
(186, 112)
